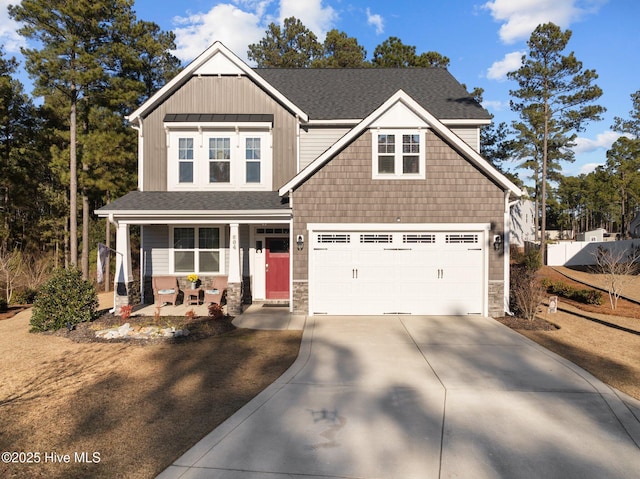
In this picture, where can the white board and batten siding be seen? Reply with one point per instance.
(427, 272)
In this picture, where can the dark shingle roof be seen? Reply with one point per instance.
(346, 93)
(175, 201)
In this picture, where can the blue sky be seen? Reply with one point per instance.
(483, 38)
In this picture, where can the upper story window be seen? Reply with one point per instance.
(253, 154)
(207, 152)
(220, 160)
(185, 160)
(398, 154)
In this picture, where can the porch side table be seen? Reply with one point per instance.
(192, 296)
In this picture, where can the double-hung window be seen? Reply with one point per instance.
(219, 159)
(252, 155)
(398, 154)
(196, 250)
(185, 160)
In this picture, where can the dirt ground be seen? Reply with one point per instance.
(129, 410)
(123, 409)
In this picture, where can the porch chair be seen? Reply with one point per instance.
(217, 290)
(165, 289)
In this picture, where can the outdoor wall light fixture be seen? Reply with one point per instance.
(497, 242)
(300, 242)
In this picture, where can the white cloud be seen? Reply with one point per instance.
(495, 105)
(317, 18)
(520, 18)
(8, 30)
(376, 20)
(603, 141)
(510, 62)
(589, 167)
(234, 27)
(245, 22)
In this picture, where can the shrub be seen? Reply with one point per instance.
(589, 296)
(26, 296)
(215, 311)
(4, 306)
(532, 260)
(586, 296)
(527, 291)
(125, 311)
(65, 300)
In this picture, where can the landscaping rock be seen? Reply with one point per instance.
(147, 332)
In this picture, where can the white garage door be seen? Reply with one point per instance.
(370, 273)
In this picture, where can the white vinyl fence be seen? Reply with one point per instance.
(579, 253)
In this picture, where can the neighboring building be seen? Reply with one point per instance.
(523, 221)
(592, 236)
(341, 191)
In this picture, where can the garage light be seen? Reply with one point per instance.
(300, 242)
(497, 242)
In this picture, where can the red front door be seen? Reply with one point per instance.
(277, 268)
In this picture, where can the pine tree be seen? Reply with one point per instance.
(93, 54)
(554, 100)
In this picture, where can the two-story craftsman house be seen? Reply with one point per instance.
(341, 191)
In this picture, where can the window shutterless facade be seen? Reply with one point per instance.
(196, 250)
(218, 160)
(185, 160)
(398, 154)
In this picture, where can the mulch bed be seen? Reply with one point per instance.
(199, 328)
(538, 324)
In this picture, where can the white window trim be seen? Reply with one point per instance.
(398, 175)
(201, 159)
(221, 249)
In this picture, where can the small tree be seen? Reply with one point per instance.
(11, 267)
(527, 291)
(65, 300)
(616, 266)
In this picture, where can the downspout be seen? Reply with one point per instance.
(292, 242)
(297, 147)
(138, 127)
(506, 243)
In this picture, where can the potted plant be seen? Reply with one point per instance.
(193, 279)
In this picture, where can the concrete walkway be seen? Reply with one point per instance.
(423, 397)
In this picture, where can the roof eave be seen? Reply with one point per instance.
(436, 124)
(182, 77)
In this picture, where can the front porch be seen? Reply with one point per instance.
(242, 235)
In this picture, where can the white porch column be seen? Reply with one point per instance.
(123, 277)
(234, 254)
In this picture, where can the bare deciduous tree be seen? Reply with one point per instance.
(11, 267)
(527, 291)
(616, 265)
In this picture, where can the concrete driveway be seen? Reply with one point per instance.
(423, 397)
